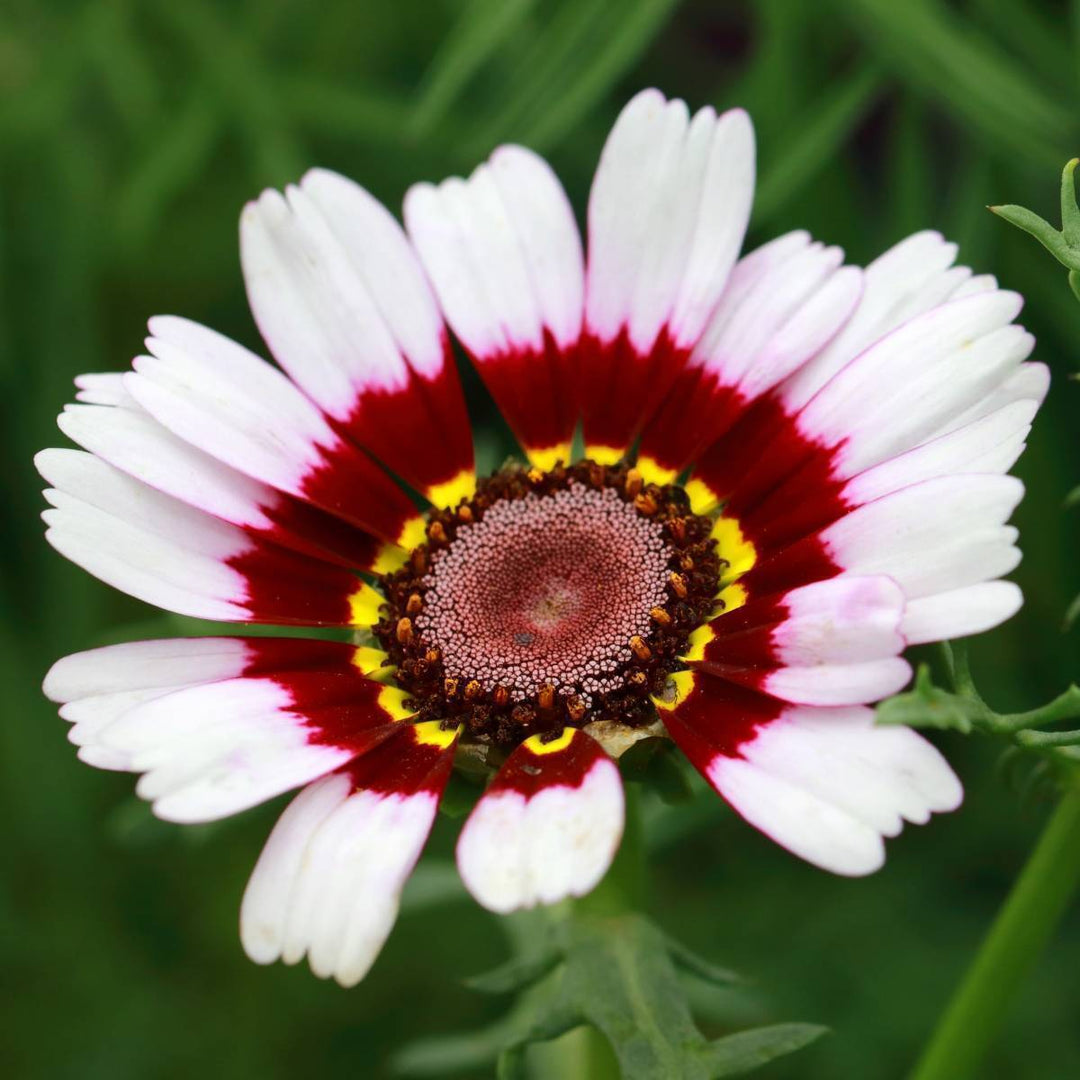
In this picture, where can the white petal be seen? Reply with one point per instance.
(988, 445)
(503, 252)
(517, 851)
(225, 400)
(337, 291)
(901, 391)
(131, 440)
(908, 279)
(840, 683)
(105, 388)
(667, 214)
(961, 612)
(1028, 382)
(781, 305)
(329, 880)
(932, 537)
(140, 541)
(828, 785)
(213, 750)
(139, 665)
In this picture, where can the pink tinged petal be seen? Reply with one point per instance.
(145, 665)
(901, 391)
(848, 618)
(166, 553)
(96, 687)
(226, 401)
(134, 442)
(782, 304)
(961, 612)
(831, 643)
(932, 537)
(825, 783)
(344, 306)
(328, 883)
(667, 215)
(211, 750)
(547, 827)
(1028, 382)
(910, 278)
(988, 445)
(503, 252)
(105, 388)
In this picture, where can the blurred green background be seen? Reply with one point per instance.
(131, 132)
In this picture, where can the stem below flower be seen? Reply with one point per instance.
(1023, 927)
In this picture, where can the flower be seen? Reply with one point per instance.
(846, 434)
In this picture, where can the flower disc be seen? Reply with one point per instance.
(550, 598)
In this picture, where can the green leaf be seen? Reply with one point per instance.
(1042, 230)
(704, 969)
(746, 1051)
(516, 973)
(929, 706)
(618, 976)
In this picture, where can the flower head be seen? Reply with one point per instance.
(792, 469)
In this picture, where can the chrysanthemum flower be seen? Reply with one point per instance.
(792, 469)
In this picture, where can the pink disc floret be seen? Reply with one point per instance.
(546, 590)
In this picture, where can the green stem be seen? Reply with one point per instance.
(1023, 927)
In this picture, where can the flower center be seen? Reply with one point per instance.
(549, 599)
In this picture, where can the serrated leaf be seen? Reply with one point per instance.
(704, 969)
(515, 973)
(739, 1054)
(1042, 230)
(929, 706)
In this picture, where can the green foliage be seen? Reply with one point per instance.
(618, 974)
(963, 709)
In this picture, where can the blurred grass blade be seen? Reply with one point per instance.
(813, 140)
(634, 29)
(132, 83)
(542, 69)
(243, 85)
(585, 49)
(329, 108)
(172, 164)
(479, 31)
(951, 61)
